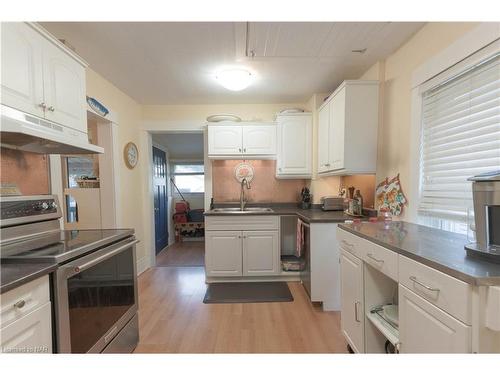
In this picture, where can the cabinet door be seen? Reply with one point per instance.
(424, 328)
(225, 140)
(223, 253)
(260, 253)
(30, 334)
(64, 88)
(259, 140)
(294, 145)
(22, 75)
(337, 126)
(352, 311)
(323, 136)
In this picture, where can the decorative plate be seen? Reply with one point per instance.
(223, 117)
(131, 155)
(97, 106)
(291, 110)
(243, 170)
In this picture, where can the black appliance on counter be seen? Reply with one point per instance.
(94, 289)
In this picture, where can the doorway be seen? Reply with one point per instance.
(184, 187)
(160, 199)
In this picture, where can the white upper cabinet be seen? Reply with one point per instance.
(237, 140)
(323, 139)
(348, 127)
(294, 151)
(41, 77)
(64, 83)
(22, 81)
(225, 140)
(259, 139)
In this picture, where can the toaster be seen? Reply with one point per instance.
(332, 203)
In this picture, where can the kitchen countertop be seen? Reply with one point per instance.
(313, 215)
(436, 248)
(17, 274)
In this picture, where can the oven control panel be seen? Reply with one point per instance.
(13, 208)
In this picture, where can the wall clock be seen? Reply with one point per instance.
(131, 155)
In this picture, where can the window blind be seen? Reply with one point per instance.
(460, 138)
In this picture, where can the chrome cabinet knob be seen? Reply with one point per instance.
(20, 304)
(43, 106)
(51, 109)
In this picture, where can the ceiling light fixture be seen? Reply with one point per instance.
(235, 79)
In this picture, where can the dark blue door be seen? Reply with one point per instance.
(160, 198)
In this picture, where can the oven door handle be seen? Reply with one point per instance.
(77, 268)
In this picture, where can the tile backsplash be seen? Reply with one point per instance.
(265, 187)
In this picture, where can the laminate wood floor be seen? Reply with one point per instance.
(174, 319)
(181, 254)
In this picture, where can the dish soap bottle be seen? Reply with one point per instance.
(358, 206)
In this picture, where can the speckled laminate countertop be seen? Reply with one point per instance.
(313, 215)
(13, 275)
(436, 248)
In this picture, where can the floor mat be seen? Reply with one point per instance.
(248, 292)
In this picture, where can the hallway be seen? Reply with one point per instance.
(182, 254)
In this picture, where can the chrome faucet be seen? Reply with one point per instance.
(243, 203)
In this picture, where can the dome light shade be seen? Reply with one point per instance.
(234, 79)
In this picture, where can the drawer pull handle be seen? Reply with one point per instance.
(20, 304)
(356, 311)
(415, 280)
(347, 243)
(373, 258)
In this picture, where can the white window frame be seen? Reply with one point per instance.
(174, 162)
(474, 47)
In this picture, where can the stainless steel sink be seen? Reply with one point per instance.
(248, 210)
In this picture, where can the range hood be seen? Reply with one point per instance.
(25, 132)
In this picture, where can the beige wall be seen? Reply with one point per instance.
(130, 184)
(199, 113)
(396, 74)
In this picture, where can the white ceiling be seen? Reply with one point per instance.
(181, 146)
(175, 62)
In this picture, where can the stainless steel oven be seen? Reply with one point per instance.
(95, 284)
(96, 297)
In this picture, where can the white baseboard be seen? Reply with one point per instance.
(142, 265)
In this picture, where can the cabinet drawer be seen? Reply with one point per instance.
(452, 295)
(30, 334)
(20, 301)
(424, 328)
(382, 259)
(352, 243)
(240, 222)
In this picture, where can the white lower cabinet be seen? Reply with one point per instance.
(30, 334)
(239, 252)
(260, 253)
(352, 313)
(26, 321)
(425, 328)
(223, 251)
